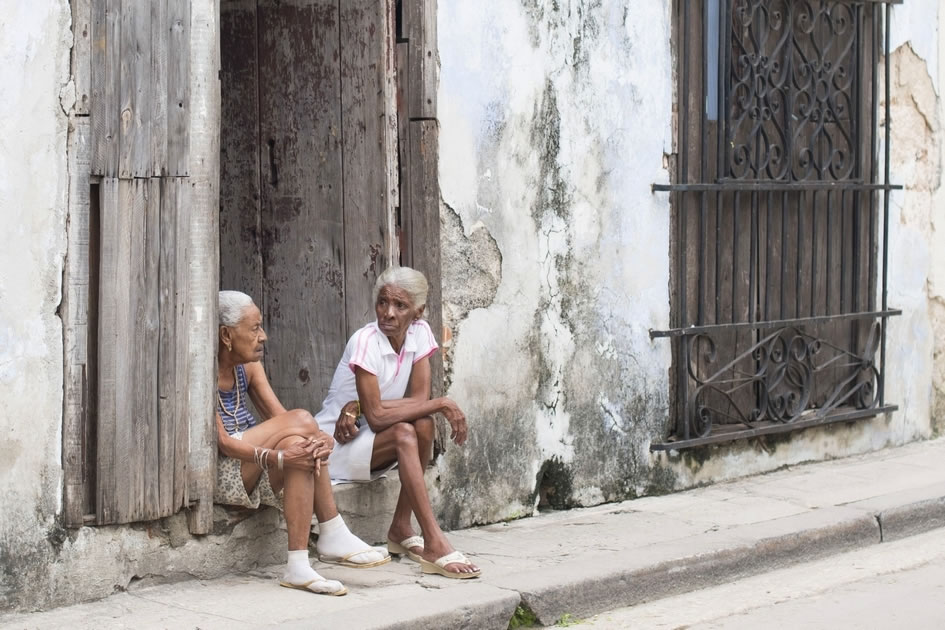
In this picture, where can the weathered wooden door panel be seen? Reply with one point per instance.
(240, 234)
(306, 184)
(367, 135)
(302, 220)
(142, 440)
(126, 432)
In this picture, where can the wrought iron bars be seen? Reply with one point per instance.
(778, 228)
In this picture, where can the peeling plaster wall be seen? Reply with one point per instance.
(555, 118)
(917, 218)
(34, 66)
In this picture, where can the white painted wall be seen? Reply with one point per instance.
(34, 66)
(554, 121)
(917, 218)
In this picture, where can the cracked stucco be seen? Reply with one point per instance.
(557, 372)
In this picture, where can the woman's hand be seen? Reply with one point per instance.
(307, 454)
(457, 419)
(345, 429)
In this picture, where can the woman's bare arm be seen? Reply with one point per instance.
(230, 446)
(260, 391)
(382, 414)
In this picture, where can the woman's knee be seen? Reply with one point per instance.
(302, 422)
(404, 433)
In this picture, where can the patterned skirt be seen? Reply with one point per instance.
(231, 491)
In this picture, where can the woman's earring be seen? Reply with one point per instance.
(229, 347)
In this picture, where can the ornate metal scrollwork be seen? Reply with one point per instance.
(791, 92)
(786, 375)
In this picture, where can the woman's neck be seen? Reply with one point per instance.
(397, 344)
(224, 367)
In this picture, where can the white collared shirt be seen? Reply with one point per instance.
(369, 349)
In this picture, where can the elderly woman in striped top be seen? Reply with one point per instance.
(280, 460)
(380, 413)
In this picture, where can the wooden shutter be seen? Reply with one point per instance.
(126, 428)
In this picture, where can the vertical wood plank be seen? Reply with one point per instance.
(391, 124)
(405, 211)
(113, 26)
(147, 341)
(240, 237)
(364, 154)
(202, 201)
(178, 87)
(302, 222)
(159, 57)
(169, 346)
(425, 234)
(179, 205)
(419, 29)
(82, 54)
(134, 159)
(132, 424)
(106, 79)
(97, 111)
(173, 434)
(115, 353)
(75, 311)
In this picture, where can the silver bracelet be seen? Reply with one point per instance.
(279, 460)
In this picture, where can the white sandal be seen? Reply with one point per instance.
(345, 561)
(403, 548)
(439, 567)
(319, 586)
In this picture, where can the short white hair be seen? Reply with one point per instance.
(410, 280)
(233, 305)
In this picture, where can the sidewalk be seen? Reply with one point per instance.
(577, 562)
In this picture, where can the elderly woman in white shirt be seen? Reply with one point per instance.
(380, 413)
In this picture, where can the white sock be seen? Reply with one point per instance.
(299, 571)
(336, 541)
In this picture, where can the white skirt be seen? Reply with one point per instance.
(352, 461)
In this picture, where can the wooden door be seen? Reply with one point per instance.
(307, 189)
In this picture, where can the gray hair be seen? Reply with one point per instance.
(410, 280)
(233, 305)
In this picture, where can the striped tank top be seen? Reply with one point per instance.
(226, 405)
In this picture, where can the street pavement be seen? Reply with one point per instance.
(895, 585)
(573, 564)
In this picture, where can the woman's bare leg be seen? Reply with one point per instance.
(280, 432)
(400, 527)
(403, 441)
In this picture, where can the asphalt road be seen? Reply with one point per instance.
(896, 585)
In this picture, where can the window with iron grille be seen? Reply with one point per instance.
(780, 206)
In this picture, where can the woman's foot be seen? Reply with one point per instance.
(401, 536)
(411, 546)
(437, 558)
(337, 545)
(299, 574)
